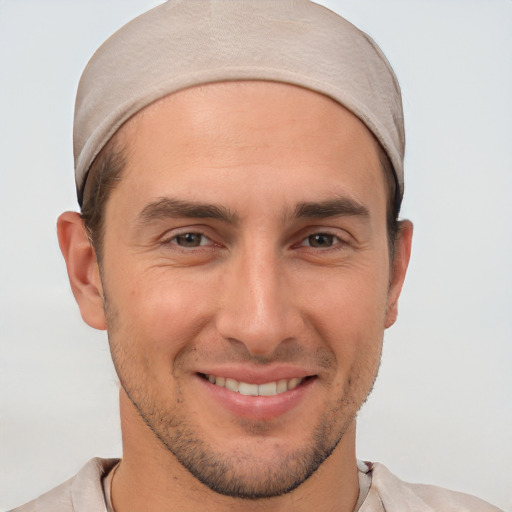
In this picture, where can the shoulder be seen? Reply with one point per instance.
(81, 493)
(397, 495)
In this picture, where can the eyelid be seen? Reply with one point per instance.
(342, 238)
(325, 233)
(170, 236)
(203, 239)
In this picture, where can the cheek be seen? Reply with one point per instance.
(160, 311)
(347, 307)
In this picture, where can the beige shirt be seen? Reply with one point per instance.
(381, 491)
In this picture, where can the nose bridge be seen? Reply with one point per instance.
(257, 307)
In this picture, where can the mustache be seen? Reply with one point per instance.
(236, 352)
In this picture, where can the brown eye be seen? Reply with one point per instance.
(190, 240)
(321, 240)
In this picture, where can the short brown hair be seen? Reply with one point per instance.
(103, 176)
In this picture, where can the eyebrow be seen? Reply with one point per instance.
(331, 208)
(177, 208)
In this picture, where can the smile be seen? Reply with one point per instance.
(266, 389)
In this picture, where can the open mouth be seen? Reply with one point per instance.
(266, 389)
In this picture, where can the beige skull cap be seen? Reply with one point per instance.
(183, 43)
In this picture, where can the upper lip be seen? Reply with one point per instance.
(257, 375)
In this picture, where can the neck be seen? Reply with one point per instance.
(150, 478)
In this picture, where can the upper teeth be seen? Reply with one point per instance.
(266, 389)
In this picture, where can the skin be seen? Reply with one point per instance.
(293, 275)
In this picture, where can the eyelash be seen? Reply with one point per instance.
(173, 240)
(335, 242)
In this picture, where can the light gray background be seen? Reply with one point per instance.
(441, 410)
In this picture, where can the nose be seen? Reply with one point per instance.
(257, 306)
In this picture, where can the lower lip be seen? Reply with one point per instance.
(258, 407)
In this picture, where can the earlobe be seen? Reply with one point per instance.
(399, 269)
(82, 267)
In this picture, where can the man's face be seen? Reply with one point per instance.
(245, 246)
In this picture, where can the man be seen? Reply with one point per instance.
(240, 170)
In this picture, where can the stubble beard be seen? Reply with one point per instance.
(238, 474)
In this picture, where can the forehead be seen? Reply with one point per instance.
(220, 115)
(219, 131)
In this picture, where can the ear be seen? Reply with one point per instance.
(83, 270)
(398, 270)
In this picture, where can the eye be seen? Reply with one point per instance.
(320, 240)
(190, 240)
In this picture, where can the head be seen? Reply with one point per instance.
(247, 268)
